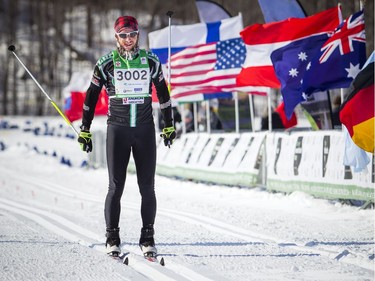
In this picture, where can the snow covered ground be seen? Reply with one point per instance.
(52, 225)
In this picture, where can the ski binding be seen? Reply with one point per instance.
(153, 257)
(120, 257)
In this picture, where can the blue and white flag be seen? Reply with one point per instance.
(210, 11)
(194, 34)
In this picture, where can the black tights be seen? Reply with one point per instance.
(121, 141)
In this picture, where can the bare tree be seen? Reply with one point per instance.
(10, 13)
(54, 42)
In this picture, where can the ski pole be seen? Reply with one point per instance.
(12, 49)
(169, 14)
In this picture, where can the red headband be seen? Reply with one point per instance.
(125, 21)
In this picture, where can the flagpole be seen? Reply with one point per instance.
(269, 110)
(208, 117)
(341, 89)
(341, 101)
(169, 14)
(183, 117)
(251, 112)
(195, 117)
(236, 107)
(330, 107)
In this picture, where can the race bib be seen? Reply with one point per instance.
(132, 78)
(132, 82)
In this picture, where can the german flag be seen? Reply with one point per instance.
(357, 111)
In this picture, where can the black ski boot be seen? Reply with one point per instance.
(146, 242)
(113, 241)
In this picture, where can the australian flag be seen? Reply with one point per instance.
(340, 58)
(290, 63)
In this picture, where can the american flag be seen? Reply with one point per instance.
(208, 68)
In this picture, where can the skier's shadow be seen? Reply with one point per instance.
(228, 244)
(241, 244)
(342, 243)
(212, 244)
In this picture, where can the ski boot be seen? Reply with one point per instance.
(146, 242)
(113, 242)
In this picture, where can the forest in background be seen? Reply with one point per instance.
(56, 38)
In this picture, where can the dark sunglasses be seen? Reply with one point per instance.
(132, 34)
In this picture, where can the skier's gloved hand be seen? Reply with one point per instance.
(84, 140)
(168, 134)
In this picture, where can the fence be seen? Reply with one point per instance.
(282, 161)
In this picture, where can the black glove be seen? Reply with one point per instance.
(168, 134)
(85, 140)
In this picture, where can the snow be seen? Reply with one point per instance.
(52, 224)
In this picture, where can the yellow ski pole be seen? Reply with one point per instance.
(12, 49)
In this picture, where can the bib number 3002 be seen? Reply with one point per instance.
(132, 82)
(131, 75)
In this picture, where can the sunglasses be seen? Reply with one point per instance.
(132, 34)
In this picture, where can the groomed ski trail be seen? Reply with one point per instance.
(75, 233)
(349, 257)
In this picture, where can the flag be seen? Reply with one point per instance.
(281, 9)
(190, 35)
(287, 123)
(75, 93)
(209, 11)
(73, 105)
(207, 68)
(357, 111)
(277, 11)
(184, 36)
(354, 156)
(290, 63)
(340, 58)
(262, 39)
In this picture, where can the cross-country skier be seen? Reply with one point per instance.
(128, 73)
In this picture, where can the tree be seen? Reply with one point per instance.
(55, 38)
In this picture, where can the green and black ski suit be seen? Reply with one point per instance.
(130, 125)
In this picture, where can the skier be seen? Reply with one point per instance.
(128, 73)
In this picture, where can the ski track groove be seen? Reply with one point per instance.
(212, 225)
(14, 212)
(74, 233)
(59, 225)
